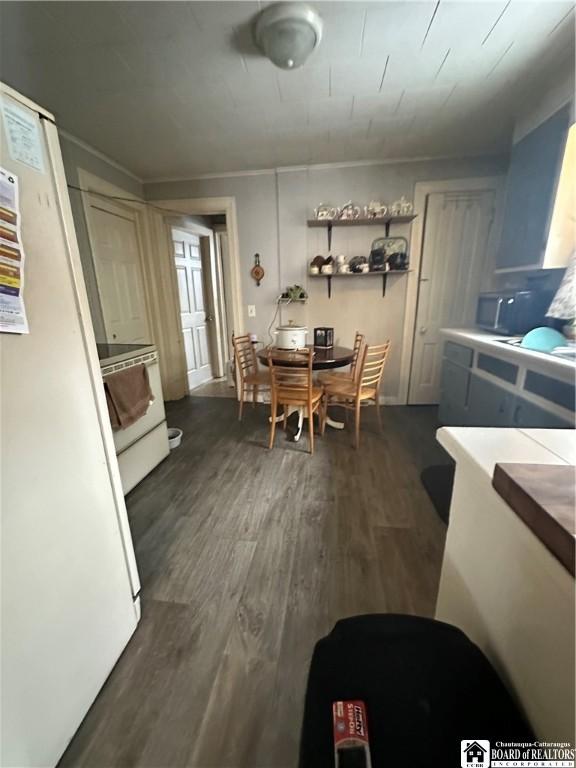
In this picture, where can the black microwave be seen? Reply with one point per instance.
(512, 313)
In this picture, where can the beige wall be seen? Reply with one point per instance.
(272, 211)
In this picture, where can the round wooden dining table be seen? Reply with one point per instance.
(325, 358)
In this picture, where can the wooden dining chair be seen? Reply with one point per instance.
(249, 375)
(365, 390)
(350, 375)
(292, 385)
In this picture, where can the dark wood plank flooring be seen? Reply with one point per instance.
(247, 557)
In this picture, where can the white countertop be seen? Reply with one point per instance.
(488, 446)
(544, 362)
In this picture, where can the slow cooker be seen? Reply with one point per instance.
(291, 336)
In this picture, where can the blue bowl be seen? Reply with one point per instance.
(543, 340)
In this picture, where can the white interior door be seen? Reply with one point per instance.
(188, 261)
(456, 237)
(116, 252)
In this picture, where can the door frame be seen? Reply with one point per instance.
(421, 191)
(175, 382)
(216, 341)
(93, 186)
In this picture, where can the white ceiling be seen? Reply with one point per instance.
(177, 88)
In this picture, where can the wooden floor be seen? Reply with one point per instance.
(247, 557)
(214, 388)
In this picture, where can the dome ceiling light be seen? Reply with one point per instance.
(287, 33)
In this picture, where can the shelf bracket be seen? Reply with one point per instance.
(329, 231)
(387, 228)
(384, 281)
(329, 282)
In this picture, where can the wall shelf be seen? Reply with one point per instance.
(359, 275)
(283, 300)
(384, 221)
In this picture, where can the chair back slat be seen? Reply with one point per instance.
(358, 347)
(291, 373)
(244, 355)
(372, 367)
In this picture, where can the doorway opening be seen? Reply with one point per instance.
(198, 261)
(198, 299)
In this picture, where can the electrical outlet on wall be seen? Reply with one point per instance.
(251, 310)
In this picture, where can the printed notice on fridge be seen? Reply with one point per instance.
(12, 310)
(23, 136)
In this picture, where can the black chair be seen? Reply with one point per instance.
(426, 687)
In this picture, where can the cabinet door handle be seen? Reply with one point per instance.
(423, 329)
(497, 318)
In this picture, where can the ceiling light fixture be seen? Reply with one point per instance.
(287, 33)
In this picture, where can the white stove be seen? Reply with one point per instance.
(143, 445)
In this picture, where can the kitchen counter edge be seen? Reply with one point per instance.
(543, 361)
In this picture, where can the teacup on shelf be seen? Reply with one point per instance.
(327, 269)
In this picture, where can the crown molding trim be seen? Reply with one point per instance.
(96, 152)
(320, 167)
(206, 176)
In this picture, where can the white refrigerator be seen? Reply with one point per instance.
(69, 581)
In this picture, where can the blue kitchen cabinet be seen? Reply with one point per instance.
(459, 354)
(526, 414)
(468, 398)
(453, 394)
(488, 404)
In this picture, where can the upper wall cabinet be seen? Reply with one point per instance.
(530, 194)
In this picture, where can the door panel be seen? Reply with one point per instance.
(202, 336)
(116, 251)
(526, 414)
(188, 262)
(196, 273)
(488, 404)
(456, 234)
(454, 394)
(183, 293)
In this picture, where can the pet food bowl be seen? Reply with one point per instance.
(174, 437)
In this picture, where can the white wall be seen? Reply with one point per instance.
(272, 211)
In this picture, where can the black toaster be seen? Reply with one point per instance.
(324, 337)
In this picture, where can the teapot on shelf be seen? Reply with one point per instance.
(375, 210)
(402, 207)
(349, 211)
(326, 212)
